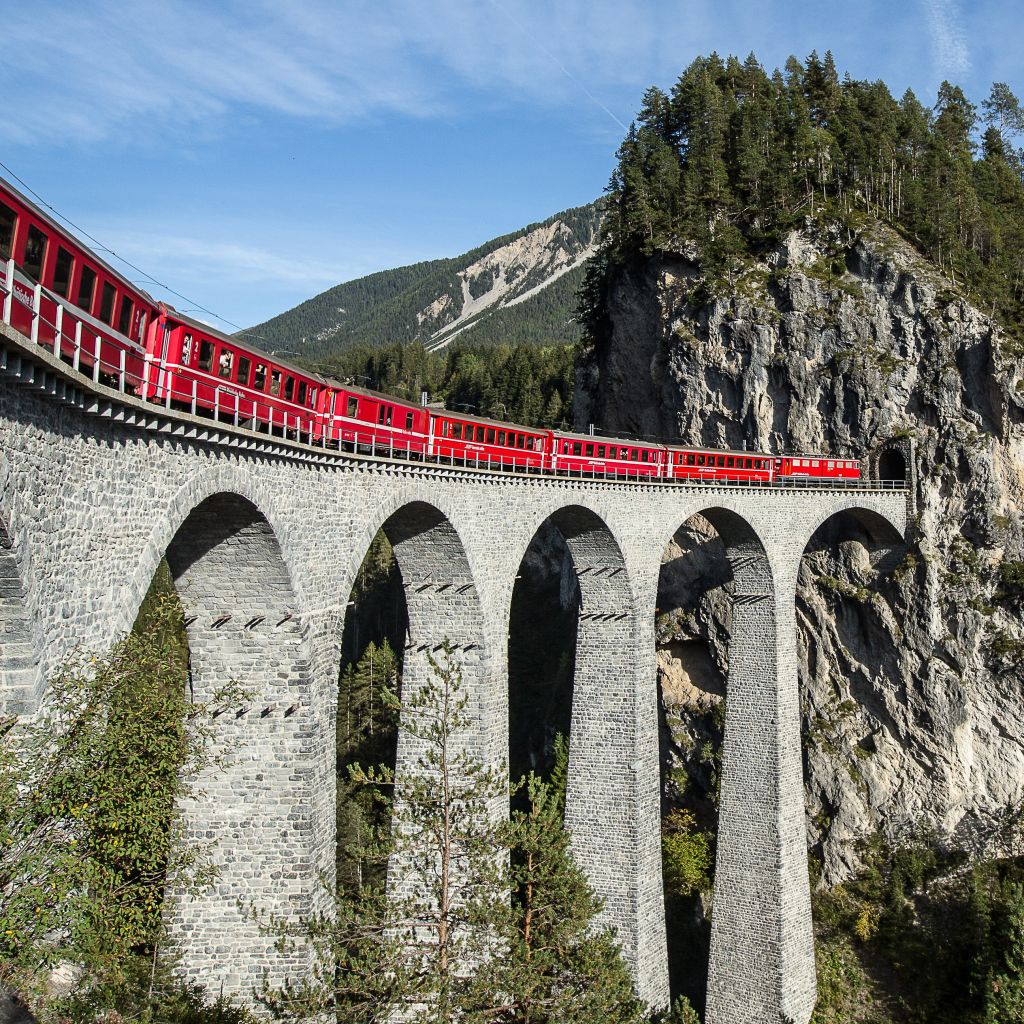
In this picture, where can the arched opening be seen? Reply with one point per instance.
(892, 466)
(611, 790)
(376, 624)
(858, 711)
(760, 961)
(692, 631)
(256, 810)
(441, 608)
(541, 653)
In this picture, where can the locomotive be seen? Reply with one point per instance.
(64, 297)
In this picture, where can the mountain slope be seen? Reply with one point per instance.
(519, 287)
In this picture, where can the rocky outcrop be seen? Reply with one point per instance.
(912, 660)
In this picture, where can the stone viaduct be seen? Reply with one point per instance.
(264, 538)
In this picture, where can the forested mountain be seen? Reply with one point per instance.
(733, 157)
(519, 288)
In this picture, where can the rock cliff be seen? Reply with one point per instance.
(912, 659)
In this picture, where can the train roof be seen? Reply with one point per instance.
(49, 220)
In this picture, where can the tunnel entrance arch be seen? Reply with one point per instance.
(892, 466)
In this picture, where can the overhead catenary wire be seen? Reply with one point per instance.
(197, 306)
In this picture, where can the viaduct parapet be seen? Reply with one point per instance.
(264, 539)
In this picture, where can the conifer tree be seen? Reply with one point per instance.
(1005, 1003)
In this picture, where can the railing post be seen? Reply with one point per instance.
(8, 290)
(216, 402)
(78, 346)
(37, 309)
(145, 376)
(96, 359)
(120, 370)
(236, 410)
(58, 331)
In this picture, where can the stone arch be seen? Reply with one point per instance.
(259, 812)
(443, 606)
(611, 800)
(848, 647)
(761, 963)
(894, 462)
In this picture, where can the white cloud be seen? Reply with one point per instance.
(111, 67)
(948, 38)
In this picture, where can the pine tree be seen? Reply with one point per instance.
(558, 967)
(1005, 1003)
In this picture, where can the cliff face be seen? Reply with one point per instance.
(912, 659)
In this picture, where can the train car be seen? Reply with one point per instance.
(361, 420)
(794, 468)
(194, 367)
(587, 455)
(726, 466)
(99, 315)
(475, 441)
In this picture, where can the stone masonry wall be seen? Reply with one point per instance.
(95, 488)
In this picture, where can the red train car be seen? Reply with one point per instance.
(65, 297)
(587, 455)
(815, 467)
(195, 367)
(729, 467)
(476, 441)
(373, 423)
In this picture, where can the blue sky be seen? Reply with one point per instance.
(251, 154)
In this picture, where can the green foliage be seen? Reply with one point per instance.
(556, 966)
(522, 383)
(89, 827)
(917, 939)
(388, 307)
(426, 951)
(735, 156)
(686, 851)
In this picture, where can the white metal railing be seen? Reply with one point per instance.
(131, 369)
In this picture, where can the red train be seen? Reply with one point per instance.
(64, 297)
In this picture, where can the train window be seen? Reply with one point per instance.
(124, 323)
(700, 460)
(691, 459)
(244, 366)
(501, 438)
(384, 415)
(577, 448)
(409, 418)
(35, 252)
(61, 270)
(456, 430)
(86, 289)
(225, 364)
(289, 388)
(205, 354)
(107, 303)
(729, 461)
(588, 450)
(353, 406)
(312, 398)
(275, 382)
(259, 379)
(815, 464)
(301, 397)
(600, 451)
(490, 435)
(8, 222)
